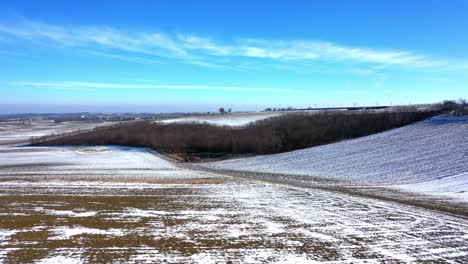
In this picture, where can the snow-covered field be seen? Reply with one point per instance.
(110, 163)
(429, 156)
(233, 119)
(240, 221)
(12, 133)
(128, 205)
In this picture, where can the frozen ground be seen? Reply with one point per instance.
(127, 205)
(237, 220)
(110, 163)
(429, 156)
(12, 133)
(233, 119)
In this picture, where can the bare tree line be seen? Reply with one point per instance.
(278, 134)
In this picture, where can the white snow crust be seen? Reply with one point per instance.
(235, 119)
(429, 156)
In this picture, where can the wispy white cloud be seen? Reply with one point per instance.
(124, 57)
(205, 51)
(94, 38)
(192, 42)
(100, 85)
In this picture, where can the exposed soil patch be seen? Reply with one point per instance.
(231, 221)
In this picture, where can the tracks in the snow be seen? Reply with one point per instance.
(429, 202)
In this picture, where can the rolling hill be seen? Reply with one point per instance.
(428, 156)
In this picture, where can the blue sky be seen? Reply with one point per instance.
(198, 55)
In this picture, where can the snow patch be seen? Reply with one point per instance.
(222, 120)
(65, 212)
(59, 260)
(65, 232)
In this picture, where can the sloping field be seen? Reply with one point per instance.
(110, 163)
(430, 156)
(12, 133)
(127, 205)
(231, 221)
(234, 119)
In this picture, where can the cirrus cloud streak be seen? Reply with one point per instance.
(206, 51)
(101, 85)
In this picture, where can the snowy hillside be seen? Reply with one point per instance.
(236, 119)
(17, 133)
(429, 156)
(90, 163)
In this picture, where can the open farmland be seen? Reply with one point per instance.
(428, 157)
(119, 204)
(19, 132)
(240, 221)
(234, 119)
(231, 132)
